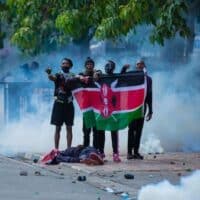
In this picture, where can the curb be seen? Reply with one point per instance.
(29, 156)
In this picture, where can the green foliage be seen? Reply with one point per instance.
(70, 23)
(166, 18)
(37, 26)
(170, 22)
(25, 37)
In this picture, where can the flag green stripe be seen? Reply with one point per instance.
(115, 122)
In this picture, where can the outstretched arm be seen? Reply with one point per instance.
(50, 76)
(124, 68)
(149, 99)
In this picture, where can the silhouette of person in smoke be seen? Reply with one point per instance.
(30, 70)
(25, 72)
(20, 94)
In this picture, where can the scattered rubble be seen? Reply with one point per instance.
(81, 178)
(110, 190)
(125, 196)
(73, 181)
(38, 173)
(179, 174)
(23, 173)
(129, 176)
(35, 160)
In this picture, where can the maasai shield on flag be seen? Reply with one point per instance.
(112, 102)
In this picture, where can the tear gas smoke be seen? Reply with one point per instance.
(187, 189)
(175, 122)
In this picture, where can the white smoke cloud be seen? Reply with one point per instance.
(188, 189)
(152, 145)
(35, 134)
(176, 115)
(174, 126)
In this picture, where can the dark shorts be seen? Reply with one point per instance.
(62, 113)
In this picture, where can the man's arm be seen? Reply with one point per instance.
(124, 68)
(50, 76)
(149, 98)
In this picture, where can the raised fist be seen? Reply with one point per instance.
(48, 70)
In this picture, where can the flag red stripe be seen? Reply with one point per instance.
(116, 101)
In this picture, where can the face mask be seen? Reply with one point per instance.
(65, 69)
(108, 69)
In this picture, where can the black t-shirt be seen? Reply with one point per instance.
(61, 91)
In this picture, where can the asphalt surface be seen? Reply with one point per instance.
(25, 181)
(102, 182)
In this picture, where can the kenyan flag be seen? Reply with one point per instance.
(112, 102)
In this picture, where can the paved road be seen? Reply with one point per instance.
(153, 169)
(44, 184)
(60, 181)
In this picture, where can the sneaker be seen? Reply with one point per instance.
(116, 157)
(96, 157)
(130, 156)
(138, 156)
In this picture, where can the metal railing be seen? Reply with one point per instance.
(18, 98)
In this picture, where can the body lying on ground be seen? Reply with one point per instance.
(79, 154)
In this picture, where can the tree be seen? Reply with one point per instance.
(194, 10)
(2, 34)
(38, 26)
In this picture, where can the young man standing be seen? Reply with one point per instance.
(89, 72)
(63, 108)
(136, 126)
(98, 136)
(109, 70)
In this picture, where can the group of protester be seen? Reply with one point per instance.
(63, 112)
